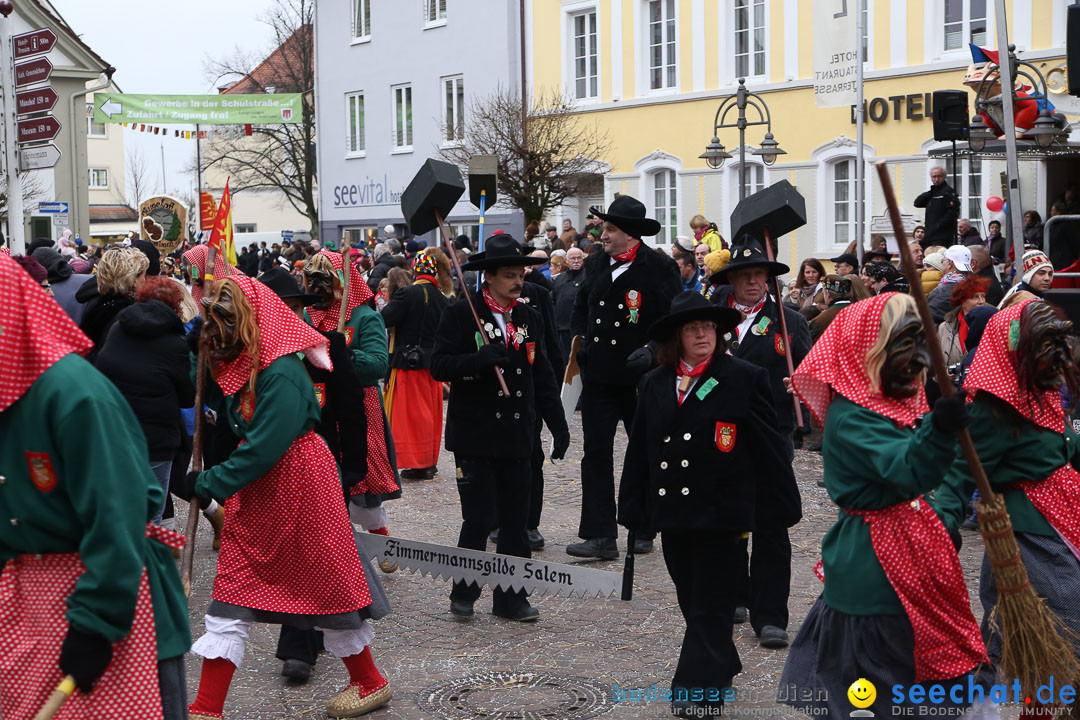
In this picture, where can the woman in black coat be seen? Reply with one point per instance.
(146, 357)
(703, 449)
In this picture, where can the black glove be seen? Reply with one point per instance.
(189, 487)
(950, 414)
(560, 444)
(639, 361)
(194, 334)
(491, 355)
(84, 656)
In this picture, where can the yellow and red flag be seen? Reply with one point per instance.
(221, 237)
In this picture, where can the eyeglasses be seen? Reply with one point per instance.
(696, 328)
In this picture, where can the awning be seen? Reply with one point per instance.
(1025, 150)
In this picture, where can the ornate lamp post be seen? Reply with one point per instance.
(715, 154)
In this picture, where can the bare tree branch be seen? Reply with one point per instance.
(562, 158)
(33, 189)
(139, 182)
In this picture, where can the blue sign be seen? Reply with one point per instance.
(286, 234)
(53, 208)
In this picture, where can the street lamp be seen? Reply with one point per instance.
(715, 155)
(979, 134)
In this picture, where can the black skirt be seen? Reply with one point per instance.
(834, 649)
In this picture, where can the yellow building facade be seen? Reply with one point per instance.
(652, 73)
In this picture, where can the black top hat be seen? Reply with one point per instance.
(500, 251)
(746, 253)
(284, 285)
(875, 255)
(628, 215)
(690, 305)
(848, 258)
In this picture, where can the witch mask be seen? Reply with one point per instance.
(221, 328)
(321, 279)
(1044, 357)
(906, 359)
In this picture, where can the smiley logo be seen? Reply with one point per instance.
(862, 693)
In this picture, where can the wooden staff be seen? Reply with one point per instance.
(346, 267)
(1033, 649)
(188, 558)
(468, 299)
(783, 327)
(59, 695)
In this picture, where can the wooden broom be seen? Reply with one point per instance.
(1034, 642)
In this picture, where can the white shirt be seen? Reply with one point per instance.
(619, 270)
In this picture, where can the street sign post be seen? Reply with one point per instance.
(53, 208)
(35, 71)
(274, 109)
(33, 43)
(39, 157)
(37, 129)
(40, 99)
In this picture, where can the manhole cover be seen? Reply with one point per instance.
(516, 696)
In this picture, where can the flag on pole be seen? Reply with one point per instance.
(221, 237)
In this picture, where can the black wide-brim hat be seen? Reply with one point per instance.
(500, 250)
(747, 253)
(690, 305)
(284, 285)
(628, 214)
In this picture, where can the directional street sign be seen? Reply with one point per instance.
(37, 129)
(274, 109)
(33, 43)
(39, 157)
(39, 99)
(53, 208)
(35, 71)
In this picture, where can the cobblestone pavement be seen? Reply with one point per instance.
(421, 647)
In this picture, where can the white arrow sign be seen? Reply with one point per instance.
(39, 157)
(110, 107)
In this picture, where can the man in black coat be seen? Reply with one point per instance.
(627, 288)
(565, 294)
(490, 433)
(942, 210)
(384, 263)
(983, 266)
(759, 340)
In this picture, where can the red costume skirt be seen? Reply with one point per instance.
(33, 602)
(1058, 499)
(414, 402)
(380, 478)
(279, 555)
(918, 558)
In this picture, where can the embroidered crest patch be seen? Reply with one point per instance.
(348, 335)
(247, 406)
(725, 436)
(781, 348)
(633, 304)
(41, 469)
(320, 394)
(530, 351)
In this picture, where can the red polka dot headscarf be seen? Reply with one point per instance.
(359, 293)
(35, 332)
(994, 370)
(281, 332)
(837, 364)
(197, 257)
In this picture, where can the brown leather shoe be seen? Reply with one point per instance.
(356, 700)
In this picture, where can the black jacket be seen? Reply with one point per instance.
(539, 299)
(99, 314)
(716, 462)
(998, 247)
(480, 422)
(382, 267)
(146, 357)
(942, 212)
(768, 351)
(413, 315)
(538, 278)
(603, 318)
(971, 238)
(995, 292)
(565, 293)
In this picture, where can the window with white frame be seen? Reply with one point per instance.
(969, 186)
(361, 19)
(965, 22)
(94, 129)
(586, 61)
(454, 109)
(245, 227)
(402, 128)
(662, 48)
(755, 180)
(665, 205)
(842, 201)
(749, 38)
(434, 12)
(354, 124)
(99, 178)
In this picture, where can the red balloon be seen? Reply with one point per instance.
(994, 203)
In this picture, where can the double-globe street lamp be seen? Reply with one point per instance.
(715, 154)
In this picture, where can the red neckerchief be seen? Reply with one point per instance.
(629, 255)
(359, 293)
(425, 278)
(746, 310)
(962, 330)
(511, 331)
(994, 370)
(837, 364)
(685, 370)
(34, 332)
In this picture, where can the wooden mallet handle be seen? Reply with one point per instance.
(59, 696)
(783, 326)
